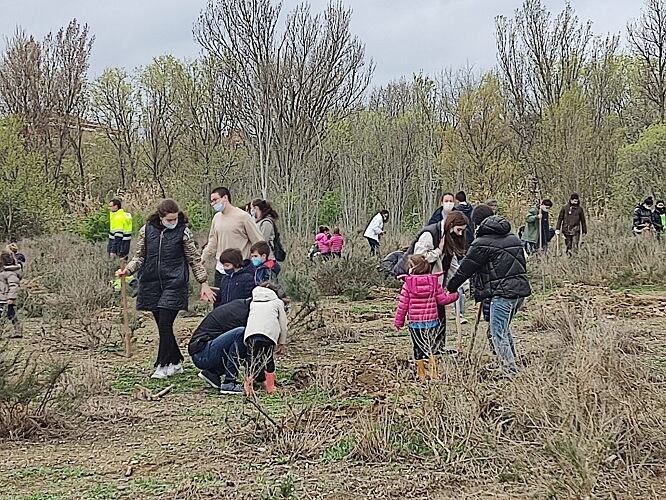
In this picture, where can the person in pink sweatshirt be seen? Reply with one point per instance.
(337, 243)
(323, 241)
(419, 298)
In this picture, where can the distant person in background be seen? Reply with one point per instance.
(323, 241)
(266, 218)
(231, 228)
(661, 213)
(448, 204)
(375, 231)
(492, 204)
(571, 223)
(337, 243)
(120, 230)
(11, 273)
(466, 209)
(646, 218)
(164, 250)
(537, 220)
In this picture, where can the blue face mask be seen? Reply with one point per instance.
(256, 261)
(219, 207)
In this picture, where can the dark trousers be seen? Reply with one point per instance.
(424, 341)
(218, 285)
(374, 246)
(168, 352)
(260, 355)
(336, 255)
(440, 337)
(572, 241)
(223, 355)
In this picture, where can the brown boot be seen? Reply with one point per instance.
(420, 369)
(18, 329)
(433, 368)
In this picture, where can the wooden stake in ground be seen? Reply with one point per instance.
(127, 332)
(458, 329)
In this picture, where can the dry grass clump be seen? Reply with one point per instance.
(609, 255)
(585, 418)
(66, 278)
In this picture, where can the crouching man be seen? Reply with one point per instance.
(496, 263)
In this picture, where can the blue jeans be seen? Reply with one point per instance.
(223, 355)
(502, 312)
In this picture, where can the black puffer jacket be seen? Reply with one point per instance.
(165, 274)
(496, 260)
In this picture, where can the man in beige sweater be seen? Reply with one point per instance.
(231, 228)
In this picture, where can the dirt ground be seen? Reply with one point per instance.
(194, 443)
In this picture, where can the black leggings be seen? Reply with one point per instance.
(10, 310)
(424, 342)
(168, 352)
(260, 355)
(374, 246)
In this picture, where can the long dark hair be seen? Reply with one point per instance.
(266, 209)
(454, 244)
(165, 207)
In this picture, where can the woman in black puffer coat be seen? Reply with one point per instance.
(164, 252)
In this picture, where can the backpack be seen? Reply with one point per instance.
(278, 250)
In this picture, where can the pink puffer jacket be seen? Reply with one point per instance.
(419, 298)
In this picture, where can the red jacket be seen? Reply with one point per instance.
(337, 243)
(419, 298)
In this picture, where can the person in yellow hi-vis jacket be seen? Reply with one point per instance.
(120, 230)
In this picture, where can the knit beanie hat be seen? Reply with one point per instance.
(481, 213)
(574, 196)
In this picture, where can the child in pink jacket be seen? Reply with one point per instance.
(323, 241)
(337, 243)
(419, 298)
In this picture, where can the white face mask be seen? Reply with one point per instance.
(448, 206)
(169, 225)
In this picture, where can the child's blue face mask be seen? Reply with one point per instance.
(256, 261)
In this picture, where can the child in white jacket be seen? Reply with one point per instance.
(266, 328)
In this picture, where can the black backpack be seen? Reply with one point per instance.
(278, 250)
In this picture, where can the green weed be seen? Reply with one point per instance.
(339, 451)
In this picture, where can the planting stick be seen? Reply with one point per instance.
(127, 333)
(476, 329)
(459, 332)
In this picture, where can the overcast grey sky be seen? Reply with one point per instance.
(401, 36)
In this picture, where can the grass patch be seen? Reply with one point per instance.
(56, 472)
(149, 485)
(127, 377)
(339, 450)
(103, 492)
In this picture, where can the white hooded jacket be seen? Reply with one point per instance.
(267, 316)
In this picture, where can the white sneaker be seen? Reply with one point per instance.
(174, 369)
(160, 372)
(463, 321)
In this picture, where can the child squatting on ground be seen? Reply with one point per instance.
(419, 298)
(266, 328)
(11, 272)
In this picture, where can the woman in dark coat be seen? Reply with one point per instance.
(164, 252)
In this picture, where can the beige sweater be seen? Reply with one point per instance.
(233, 228)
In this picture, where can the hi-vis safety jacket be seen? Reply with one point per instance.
(120, 225)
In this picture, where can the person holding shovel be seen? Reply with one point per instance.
(496, 263)
(164, 250)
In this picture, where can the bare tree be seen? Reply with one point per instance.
(647, 39)
(286, 88)
(43, 82)
(115, 106)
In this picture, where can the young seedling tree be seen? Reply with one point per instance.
(286, 83)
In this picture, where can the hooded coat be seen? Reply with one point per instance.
(466, 209)
(419, 298)
(497, 262)
(267, 316)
